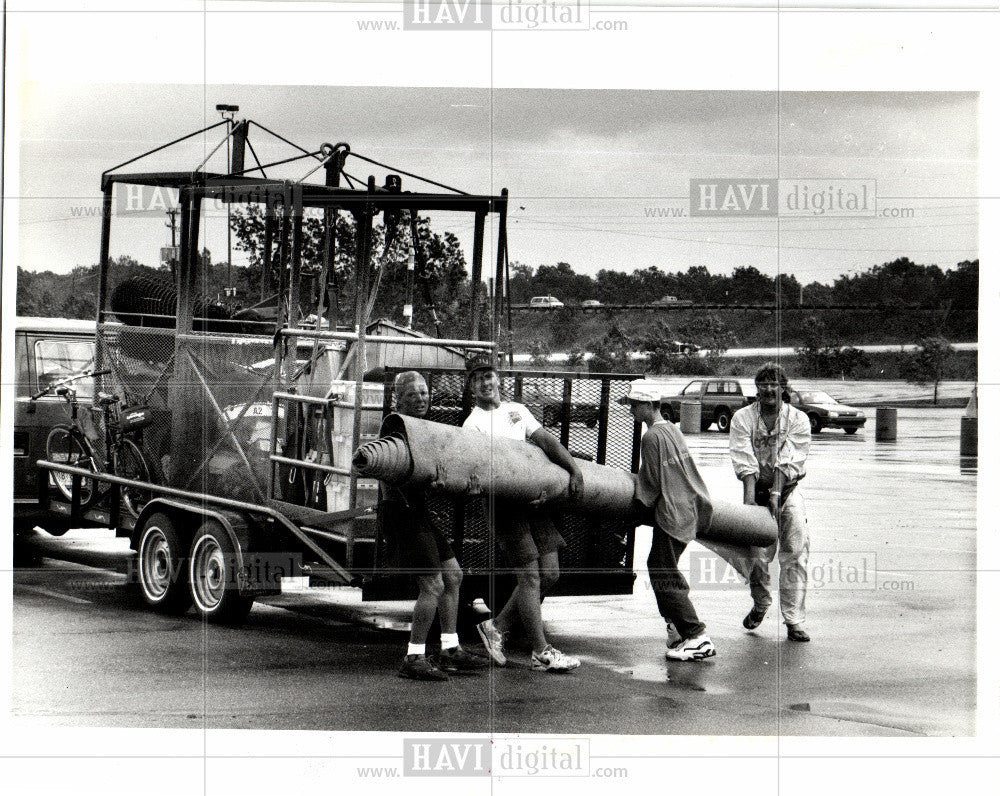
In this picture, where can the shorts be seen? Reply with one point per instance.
(414, 544)
(524, 534)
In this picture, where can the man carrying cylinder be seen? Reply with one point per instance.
(672, 497)
(768, 444)
(526, 538)
(424, 550)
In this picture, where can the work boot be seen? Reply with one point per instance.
(796, 633)
(753, 619)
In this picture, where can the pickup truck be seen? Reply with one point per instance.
(719, 399)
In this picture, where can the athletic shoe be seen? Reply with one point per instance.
(493, 640)
(692, 649)
(552, 660)
(479, 606)
(796, 633)
(673, 637)
(753, 619)
(457, 659)
(417, 667)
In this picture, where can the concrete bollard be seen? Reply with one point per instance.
(968, 441)
(885, 424)
(690, 417)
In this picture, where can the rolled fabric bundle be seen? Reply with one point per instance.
(387, 458)
(457, 461)
(741, 525)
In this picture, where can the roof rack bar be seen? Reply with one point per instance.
(409, 174)
(157, 149)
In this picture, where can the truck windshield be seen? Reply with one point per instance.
(58, 359)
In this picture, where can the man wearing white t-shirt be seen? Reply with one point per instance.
(526, 538)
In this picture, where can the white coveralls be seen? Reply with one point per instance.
(756, 451)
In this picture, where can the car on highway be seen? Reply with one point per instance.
(545, 302)
(589, 304)
(672, 301)
(824, 411)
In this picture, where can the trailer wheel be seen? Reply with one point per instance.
(162, 574)
(212, 577)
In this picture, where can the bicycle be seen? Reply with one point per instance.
(69, 444)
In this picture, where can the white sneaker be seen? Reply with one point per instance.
(552, 660)
(692, 649)
(479, 606)
(673, 637)
(493, 641)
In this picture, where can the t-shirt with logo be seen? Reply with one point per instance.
(510, 420)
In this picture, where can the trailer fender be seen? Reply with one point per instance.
(236, 525)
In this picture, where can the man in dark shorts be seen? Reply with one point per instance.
(525, 536)
(422, 548)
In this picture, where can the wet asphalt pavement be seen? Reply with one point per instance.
(891, 609)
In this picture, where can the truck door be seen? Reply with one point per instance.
(41, 360)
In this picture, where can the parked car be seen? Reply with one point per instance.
(591, 304)
(545, 302)
(823, 410)
(546, 403)
(719, 399)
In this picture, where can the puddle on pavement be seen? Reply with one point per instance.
(875, 715)
(686, 675)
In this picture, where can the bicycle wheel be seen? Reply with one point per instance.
(132, 464)
(62, 446)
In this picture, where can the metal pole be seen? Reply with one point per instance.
(477, 272)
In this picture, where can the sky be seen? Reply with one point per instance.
(593, 174)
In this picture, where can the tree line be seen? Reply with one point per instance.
(948, 299)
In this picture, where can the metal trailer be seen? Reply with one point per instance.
(256, 413)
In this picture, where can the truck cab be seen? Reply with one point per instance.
(46, 350)
(719, 400)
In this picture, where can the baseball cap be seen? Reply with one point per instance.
(641, 390)
(481, 361)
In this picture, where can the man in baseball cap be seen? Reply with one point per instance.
(675, 501)
(526, 537)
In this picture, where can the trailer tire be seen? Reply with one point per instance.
(212, 577)
(161, 571)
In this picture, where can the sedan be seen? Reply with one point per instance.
(590, 304)
(823, 410)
